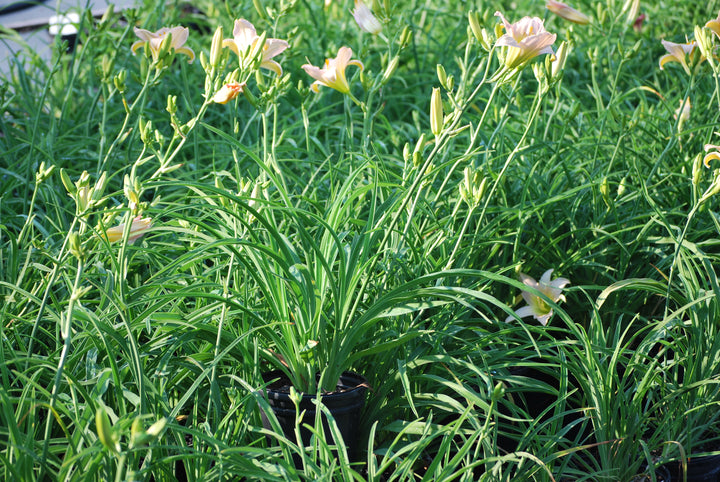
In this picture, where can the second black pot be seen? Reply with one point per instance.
(345, 404)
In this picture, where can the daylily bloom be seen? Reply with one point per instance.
(137, 229)
(333, 74)
(244, 40)
(537, 306)
(365, 18)
(228, 92)
(711, 156)
(179, 37)
(525, 40)
(714, 25)
(678, 53)
(567, 12)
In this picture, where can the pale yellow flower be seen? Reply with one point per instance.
(137, 229)
(711, 156)
(567, 12)
(536, 306)
(179, 37)
(679, 53)
(333, 74)
(714, 25)
(228, 92)
(244, 40)
(525, 40)
(365, 18)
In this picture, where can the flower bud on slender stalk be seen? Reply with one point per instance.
(216, 48)
(442, 76)
(390, 70)
(474, 20)
(436, 112)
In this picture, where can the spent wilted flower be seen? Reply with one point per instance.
(333, 74)
(638, 23)
(155, 40)
(245, 40)
(711, 156)
(567, 12)
(525, 40)
(536, 306)
(228, 92)
(137, 229)
(365, 18)
(682, 113)
(680, 53)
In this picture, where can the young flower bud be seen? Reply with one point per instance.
(119, 81)
(216, 48)
(390, 70)
(442, 76)
(558, 64)
(171, 104)
(477, 30)
(436, 112)
(43, 173)
(450, 82)
(105, 431)
(405, 37)
(697, 169)
(74, 245)
(69, 186)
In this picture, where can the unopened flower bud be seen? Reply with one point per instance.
(405, 37)
(436, 112)
(105, 431)
(477, 31)
(69, 186)
(119, 81)
(216, 47)
(390, 70)
(442, 76)
(171, 104)
(558, 64)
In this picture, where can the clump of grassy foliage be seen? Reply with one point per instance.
(322, 231)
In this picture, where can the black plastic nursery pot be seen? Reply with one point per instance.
(345, 404)
(699, 469)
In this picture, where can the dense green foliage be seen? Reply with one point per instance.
(317, 232)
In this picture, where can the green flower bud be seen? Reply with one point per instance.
(436, 112)
(105, 431)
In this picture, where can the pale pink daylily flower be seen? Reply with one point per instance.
(714, 25)
(365, 18)
(228, 92)
(711, 156)
(536, 306)
(525, 40)
(333, 74)
(678, 53)
(244, 40)
(155, 39)
(137, 229)
(567, 12)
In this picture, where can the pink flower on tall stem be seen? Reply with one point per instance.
(525, 40)
(179, 36)
(245, 40)
(333, 74)
(137, 229)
